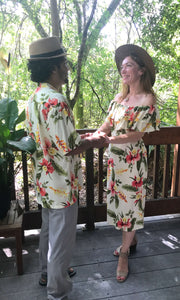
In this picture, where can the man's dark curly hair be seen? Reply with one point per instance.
(41, 70)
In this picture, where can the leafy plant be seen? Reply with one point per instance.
(10, 139)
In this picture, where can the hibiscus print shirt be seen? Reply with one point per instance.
(50, 123)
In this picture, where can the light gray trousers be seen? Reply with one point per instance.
(57, 239)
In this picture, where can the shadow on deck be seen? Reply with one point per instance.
(154, 268)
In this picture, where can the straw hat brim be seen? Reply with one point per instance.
(126, 50)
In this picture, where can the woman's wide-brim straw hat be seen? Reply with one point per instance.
(129, 49)
(46, 48)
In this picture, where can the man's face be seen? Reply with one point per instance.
(62, 72)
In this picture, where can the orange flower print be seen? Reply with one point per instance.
(123, 222)
(47, 167)
(62, 144)
(137, 182)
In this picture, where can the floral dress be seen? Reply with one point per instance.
(127, 165)
(50, 123)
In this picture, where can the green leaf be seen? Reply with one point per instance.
(129, 188)
(58, 168)
(117, 151)
(111, 213)
(25, 144)
(116, 201)
(9, 112)
(21, 117)
(17, 135)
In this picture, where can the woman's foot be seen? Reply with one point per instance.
(131, 250)
(122, 268)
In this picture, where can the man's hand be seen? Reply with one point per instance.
(88, 142)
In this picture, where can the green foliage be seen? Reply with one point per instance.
(9, 136)
(154, 24)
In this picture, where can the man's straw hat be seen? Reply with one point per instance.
(129, 49)
(46, 48)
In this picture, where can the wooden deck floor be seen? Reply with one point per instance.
(154, 268)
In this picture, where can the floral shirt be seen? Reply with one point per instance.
(50, 123)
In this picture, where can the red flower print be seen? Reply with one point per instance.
(151, 109)
(53, 101)
(68, 204)
(45, 113)
(137, 182)
(65, 107)
(49, 149)
(111, 162)
(112, 185)
(111, 121)
(132, 157)
(47, 166)
(41, 189)
(123, 223)
(47, 105)
(32, 135)
(38, 89)
(131, 118)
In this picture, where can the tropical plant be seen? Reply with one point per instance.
(10, 139)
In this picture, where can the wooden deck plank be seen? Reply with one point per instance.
(154, 268)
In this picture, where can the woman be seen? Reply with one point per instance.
(132, 113)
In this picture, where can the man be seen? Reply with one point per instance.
(57, 176)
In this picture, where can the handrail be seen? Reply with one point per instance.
(164, 195)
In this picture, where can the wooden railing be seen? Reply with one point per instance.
(163, 195)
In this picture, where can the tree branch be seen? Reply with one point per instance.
(33, 17)
(81, 57)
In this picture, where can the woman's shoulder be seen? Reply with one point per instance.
(149, 99)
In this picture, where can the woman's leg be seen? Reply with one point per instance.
(122, 268)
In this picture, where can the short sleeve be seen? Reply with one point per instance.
(57, 120)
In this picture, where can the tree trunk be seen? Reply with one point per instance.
(54, 18)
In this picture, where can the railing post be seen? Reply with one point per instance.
(100, 176)
(90, 189)
(176, 185)
(25, 180)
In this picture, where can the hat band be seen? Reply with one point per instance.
(48, 54)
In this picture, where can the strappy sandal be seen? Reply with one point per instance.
(132, 249)
(43, 278)
(122, 276)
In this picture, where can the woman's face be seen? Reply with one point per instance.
(130, 71)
